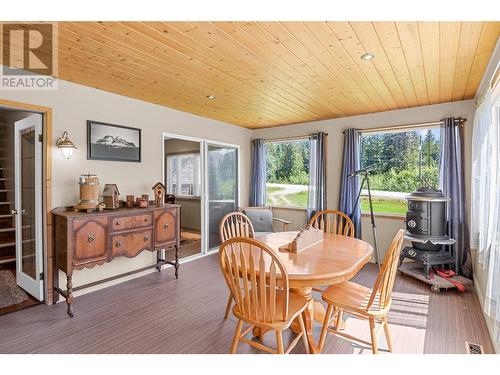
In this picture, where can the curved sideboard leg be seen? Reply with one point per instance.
(69, 294)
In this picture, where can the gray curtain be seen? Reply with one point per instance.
(258, 179)
(349, 186)
(451, 182)
(316, 200)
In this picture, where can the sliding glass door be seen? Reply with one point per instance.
(183, 179)
(201, 176)
(222, 187)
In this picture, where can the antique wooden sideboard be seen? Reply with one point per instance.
(84, 240)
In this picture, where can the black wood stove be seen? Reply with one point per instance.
(426, 229)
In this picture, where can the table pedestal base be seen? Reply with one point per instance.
(314, 311)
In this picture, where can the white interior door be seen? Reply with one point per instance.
(28, 205)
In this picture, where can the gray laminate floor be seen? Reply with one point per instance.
(158, 314)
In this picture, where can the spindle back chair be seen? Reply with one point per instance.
(333, 221)
(259, 283)
(372, 304)
(234, 224)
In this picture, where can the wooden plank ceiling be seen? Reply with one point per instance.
(275, 73)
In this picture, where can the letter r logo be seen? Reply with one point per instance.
(28, 47)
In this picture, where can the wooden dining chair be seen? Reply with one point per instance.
(259, 283)
(371, 304)
(333, 221)
(234, 224)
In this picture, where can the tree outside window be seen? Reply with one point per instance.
(287, 180)
(404, 161)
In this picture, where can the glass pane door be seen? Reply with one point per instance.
(28, 205)
(183, 172)
(222, 184)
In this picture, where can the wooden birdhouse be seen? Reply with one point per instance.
(111, 196)
(159, 191)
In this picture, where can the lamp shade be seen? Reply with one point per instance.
(65, 145)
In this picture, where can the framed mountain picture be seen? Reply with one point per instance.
(113, 142)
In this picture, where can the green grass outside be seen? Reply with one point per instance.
(380, 205)
(272, 189)
(384, 206)
(296, 199)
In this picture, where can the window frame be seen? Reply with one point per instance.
(178, 177)
(385, 130)
(286, 140)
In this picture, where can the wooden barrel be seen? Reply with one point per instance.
(89, 190)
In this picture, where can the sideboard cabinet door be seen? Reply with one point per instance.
(89, 241)
(165, 227)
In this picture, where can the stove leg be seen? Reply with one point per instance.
(427, 270)
(401, 258)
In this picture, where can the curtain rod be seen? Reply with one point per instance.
(460, 120)
(284, 139)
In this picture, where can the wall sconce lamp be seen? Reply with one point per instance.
(65, 145)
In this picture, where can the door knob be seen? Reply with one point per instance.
(16, 212)
(165, 226)
(118, 243)
(146, 238)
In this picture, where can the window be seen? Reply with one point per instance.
(184, 175)
(287, 180)
(402, 162)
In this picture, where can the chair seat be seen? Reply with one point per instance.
(296, 305)
(352, 297)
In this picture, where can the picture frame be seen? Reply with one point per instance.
(113, 142)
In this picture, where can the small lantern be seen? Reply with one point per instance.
(65, 145)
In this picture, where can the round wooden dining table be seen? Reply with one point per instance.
(334, 260)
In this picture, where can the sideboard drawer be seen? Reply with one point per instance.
(131, 243)
(131, 222)
(89, 240)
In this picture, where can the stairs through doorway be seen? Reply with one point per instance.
(7, 222)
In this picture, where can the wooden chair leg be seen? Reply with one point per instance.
(236, 338)
(339, 322)
(228, 305)
(373, 334)
(387, 331)
(304, 333)
(324, 330)
(279, 340)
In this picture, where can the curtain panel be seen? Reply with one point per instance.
(485, 197)
(316, 200)
(258, 178)
(483, 185)
(349, 186)
(452, 183)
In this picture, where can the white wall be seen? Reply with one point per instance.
(386, 227)
(74, 104)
